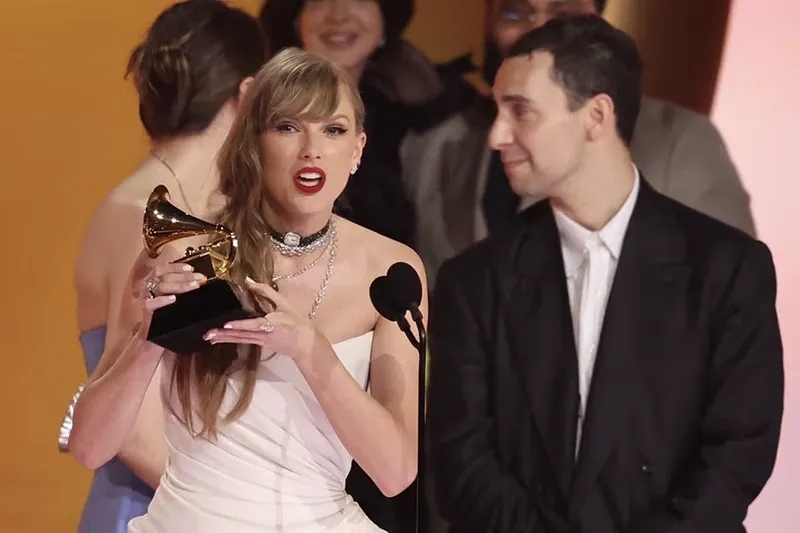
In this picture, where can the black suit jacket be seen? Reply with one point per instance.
(686, 399)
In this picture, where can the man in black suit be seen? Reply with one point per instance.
(611, 364)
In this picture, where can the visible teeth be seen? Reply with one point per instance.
(338, 38)
(310, 176)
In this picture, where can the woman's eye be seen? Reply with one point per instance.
(336, 130)
(285, 128)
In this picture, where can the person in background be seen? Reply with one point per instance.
(189, 72)
(613, 362)
(460, 191)
(264, 422)
(402, 93)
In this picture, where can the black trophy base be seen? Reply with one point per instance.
(180, 326)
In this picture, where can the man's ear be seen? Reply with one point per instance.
(599, 116)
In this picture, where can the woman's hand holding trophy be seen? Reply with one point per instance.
(189, 296)
(167, 281)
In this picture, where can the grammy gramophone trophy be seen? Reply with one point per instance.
(180, 326)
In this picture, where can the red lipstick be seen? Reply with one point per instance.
(309, 180)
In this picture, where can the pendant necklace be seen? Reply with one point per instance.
(178, 181)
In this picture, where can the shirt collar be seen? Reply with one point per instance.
(574, 236)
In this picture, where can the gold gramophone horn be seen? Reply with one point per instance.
(164, 223)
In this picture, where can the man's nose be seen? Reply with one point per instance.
(500, 134)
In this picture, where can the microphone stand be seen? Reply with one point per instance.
(421, 345)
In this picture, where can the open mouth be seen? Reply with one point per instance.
(338, 39)
(309, 180)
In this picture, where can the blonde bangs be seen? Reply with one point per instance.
(306, 87)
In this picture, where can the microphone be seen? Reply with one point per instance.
(393, 295)
(405, 282)
(381, 294)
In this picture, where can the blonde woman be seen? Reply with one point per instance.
(263, 427)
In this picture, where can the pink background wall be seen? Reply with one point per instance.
(756, 110)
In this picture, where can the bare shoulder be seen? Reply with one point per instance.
(378, 253)
(111, 244)
(118, 217)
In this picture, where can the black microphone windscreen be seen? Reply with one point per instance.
(382, 298)
(405, 284)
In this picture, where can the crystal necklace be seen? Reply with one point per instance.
(332, 249)
(292, 244)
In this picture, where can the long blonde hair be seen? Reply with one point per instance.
(293, 84)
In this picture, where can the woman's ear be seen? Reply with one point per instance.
(360, 143)
(244, 86)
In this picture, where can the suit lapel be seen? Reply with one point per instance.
(647, 284)
(543, 341)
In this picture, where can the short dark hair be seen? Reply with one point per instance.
(591, 57)
(192, 60)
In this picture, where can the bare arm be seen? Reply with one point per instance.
(113, 404)
(113, 243)
(380, 430)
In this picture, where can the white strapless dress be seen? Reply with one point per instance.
(279, 468)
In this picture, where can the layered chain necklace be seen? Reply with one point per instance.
(293, 245)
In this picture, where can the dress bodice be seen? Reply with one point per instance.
(278, 467)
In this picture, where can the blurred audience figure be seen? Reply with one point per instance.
(460, 191)
(189, 72)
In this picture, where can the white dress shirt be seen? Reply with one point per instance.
(590, 261)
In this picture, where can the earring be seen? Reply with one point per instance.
(354, 169)
(382, 43)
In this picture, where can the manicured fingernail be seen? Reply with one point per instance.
(171, 297)
(187, 268)
(194, 284)
(199, 277)
(210, 335)
(227, 326)
(248, 279)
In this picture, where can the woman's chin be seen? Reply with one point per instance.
(310, 205)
